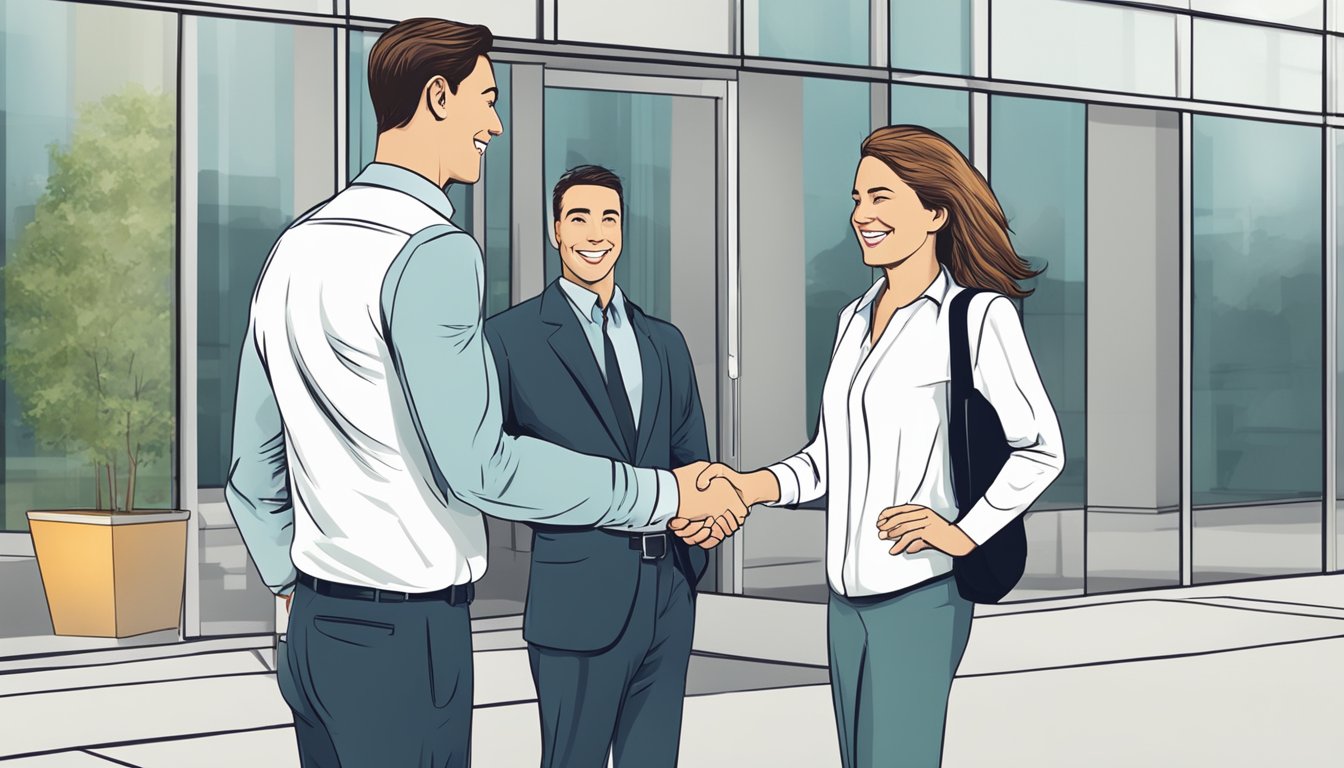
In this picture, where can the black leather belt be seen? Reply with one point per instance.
(459, 594)
(651, 546)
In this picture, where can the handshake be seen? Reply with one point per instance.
(714, 501)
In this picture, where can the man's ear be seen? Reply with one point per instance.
(436, 97)
(555, 235)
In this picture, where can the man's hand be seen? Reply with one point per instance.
(705, 517)
(913, 528)
(759, 487)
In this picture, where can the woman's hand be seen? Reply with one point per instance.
(913, 528)
(759, 487)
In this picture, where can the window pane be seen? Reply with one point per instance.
(833, 128)
(505, 18)
(1336, 104)
(1338, 138)
(264, 159)
(931, 37)
(795, 29)
(1086, 44)
(942, 110)
(686, 25)
(1300, 13)
(265, 155)
(631, 134)
(816, 127)
(90, 269)
(1257, 410)
(1038, 171)
(1246, 64)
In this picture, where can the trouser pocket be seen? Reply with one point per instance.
(449, 656)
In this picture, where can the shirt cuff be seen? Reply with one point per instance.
(664, 507)
(667, 503)
(789, 490)
(984, 520)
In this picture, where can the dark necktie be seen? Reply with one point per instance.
(620, 401)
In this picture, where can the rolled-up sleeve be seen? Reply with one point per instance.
(432, 318)
(1005, 373)
(257, 492)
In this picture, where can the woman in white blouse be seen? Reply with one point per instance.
(897, 626)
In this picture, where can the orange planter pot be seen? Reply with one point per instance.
(111, 574)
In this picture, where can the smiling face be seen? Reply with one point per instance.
(889, 220)
(588, 232)
(467, 121)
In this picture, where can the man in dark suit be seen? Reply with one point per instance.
(610, 612)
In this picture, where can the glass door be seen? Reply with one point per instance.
(661, 136)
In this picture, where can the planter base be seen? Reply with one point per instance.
(111, 574)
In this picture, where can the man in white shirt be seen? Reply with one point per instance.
(367, 435)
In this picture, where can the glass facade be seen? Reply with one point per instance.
(261, 162)
(944, 110)
(255, 176)
(793, 29)
(1038, 170)
(1256, 457)
(1084, 44)
(931, 37)
(89, 302)
(835, 122)
(814, 265)
(1245, 64)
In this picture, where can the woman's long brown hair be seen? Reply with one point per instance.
(974, 242)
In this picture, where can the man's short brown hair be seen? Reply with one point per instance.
(411, 53)
(591, 175)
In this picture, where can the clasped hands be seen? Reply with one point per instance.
(715, 500)
(708, 512)
(727, 493)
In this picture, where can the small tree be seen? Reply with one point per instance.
(90, 294)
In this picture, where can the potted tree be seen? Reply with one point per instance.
(89, 298)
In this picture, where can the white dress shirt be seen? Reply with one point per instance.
(367, 429)
(882, 439)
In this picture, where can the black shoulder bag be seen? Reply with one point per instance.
(979, 450)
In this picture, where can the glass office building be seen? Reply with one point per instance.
(1173, 164)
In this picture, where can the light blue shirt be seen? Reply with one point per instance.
(623, 342)
(366, 334)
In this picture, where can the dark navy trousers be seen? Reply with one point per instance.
(378, 684)
(626, 698)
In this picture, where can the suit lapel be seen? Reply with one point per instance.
(572, 348)
(651, 366)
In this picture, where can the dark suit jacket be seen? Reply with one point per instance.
(582, 586)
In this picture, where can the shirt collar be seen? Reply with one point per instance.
(585, 301)
(405, 180)
(936, 292)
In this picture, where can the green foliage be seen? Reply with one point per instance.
(89, 293)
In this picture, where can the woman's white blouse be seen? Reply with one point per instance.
(882, 439)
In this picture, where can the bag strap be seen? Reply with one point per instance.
(959, 353)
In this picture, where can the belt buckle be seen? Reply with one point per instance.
(656, 551)
(385, 596)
